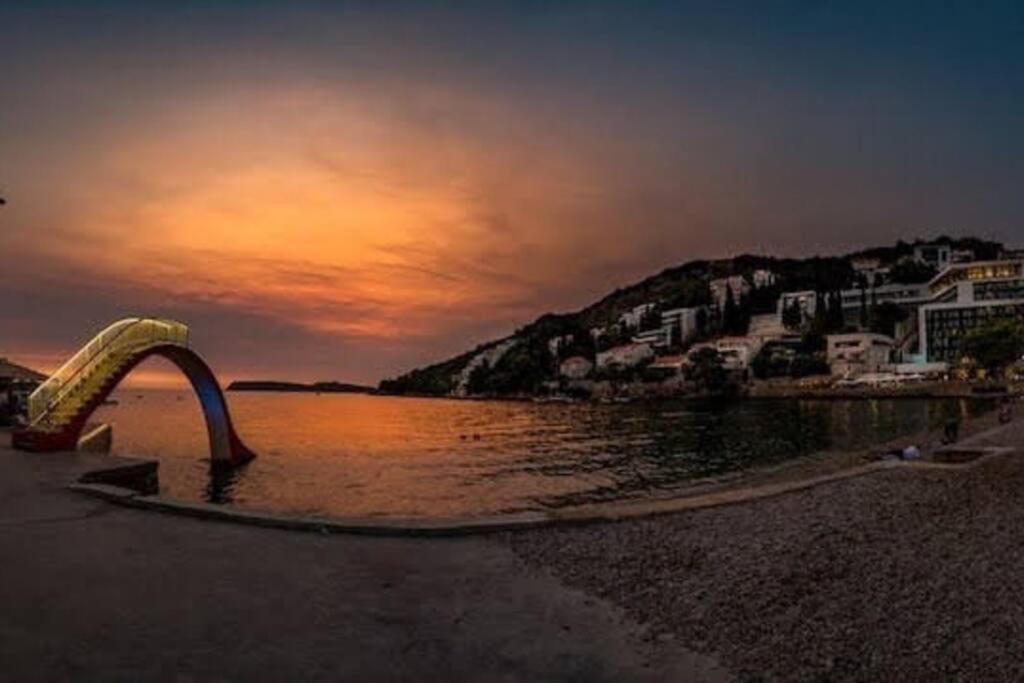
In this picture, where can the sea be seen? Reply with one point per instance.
(380, 456)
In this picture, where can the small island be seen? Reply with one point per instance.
(315, 387)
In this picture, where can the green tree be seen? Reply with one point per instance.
(835, 321)
(911, 272)
(995, 345)
(730, 313)
(865, 315)
(707, 372)
(792, 317)
(476, 384)
(885, 317)
(701, 323)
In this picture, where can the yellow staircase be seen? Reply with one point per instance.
(74, 389)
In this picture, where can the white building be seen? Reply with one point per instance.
(738, 352)
(900, 294)
(962, 255)
(963, 297)
(859, 353)
(625, 356)
(680, 323)
(631, 319)
(657, 338)
(576, 367)
(736, 284)
(767, 327)
(938, 255)
(762, 277)
(806, 301)
(670, 364)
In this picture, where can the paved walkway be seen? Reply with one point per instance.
(93, 590)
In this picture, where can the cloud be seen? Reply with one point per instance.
(348, 195)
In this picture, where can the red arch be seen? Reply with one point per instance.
(226, 448)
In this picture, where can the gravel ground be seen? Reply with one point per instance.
(900, 575)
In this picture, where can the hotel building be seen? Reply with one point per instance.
(964, 297)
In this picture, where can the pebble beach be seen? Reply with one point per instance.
(900, 575)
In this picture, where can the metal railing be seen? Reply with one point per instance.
(123, 337)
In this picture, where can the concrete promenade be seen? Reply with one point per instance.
(95, 591)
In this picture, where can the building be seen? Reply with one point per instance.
(865, 264)
(681, 324)
(940, 256)
(962, 255)
(806, 301)
(738, 352)
(576, 367)
(670, 365)
(767, 327)
(659, 337)
(556, 344)
(871, 269)
(633, 318)
(762, 277)
(964, 297)
(899, 294)
(16, 384)
(678, 326)
(737, 284)
(625, 356)
(12, 372)
(859, 353)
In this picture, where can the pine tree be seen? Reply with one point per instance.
(836, 320)
(865, 318)
(730, 313)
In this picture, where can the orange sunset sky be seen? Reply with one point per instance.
(348, 191)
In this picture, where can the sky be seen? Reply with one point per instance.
(349, 190)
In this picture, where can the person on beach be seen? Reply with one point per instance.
(1005, 410)
(952, 431)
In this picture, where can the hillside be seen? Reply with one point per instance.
(524, 367)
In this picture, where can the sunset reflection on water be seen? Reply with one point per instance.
(355, 455)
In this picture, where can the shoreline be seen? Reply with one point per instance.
(762, 390)
(114, 483)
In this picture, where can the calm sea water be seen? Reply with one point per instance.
(380, 456)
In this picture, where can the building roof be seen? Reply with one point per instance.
(9, 370)
(626, 347)
(669, 361)
(873, 336)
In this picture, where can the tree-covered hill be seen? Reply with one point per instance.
(529, 362)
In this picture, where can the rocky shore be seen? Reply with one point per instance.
(901, 575)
